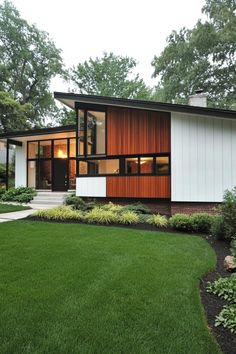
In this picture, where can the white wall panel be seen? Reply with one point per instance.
(91, 186)
(21, 176)
(203, 157)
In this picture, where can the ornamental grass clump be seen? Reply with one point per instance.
(116, 208)
(157, 220)
(100, 216)
(59, 213)
(128, 218)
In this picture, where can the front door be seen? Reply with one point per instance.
(60, 175)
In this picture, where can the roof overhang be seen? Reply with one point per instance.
(73, 99)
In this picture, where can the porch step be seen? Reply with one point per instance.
(49, 198)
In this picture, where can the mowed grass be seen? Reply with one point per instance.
(8, 208)
(87, 289)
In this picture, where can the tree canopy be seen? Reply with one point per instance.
(111, 75)
(29, 60)
(203, 57)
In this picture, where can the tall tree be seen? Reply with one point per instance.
(13, 115)
(29, 60)
(204, 57)
(110, 75)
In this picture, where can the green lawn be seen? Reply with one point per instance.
(8, 208)
(87, 289)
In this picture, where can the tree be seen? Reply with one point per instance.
(28, 61)
(204, 57)
(13, 115)
(111, 75)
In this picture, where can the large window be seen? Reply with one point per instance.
(91, 133)
(99, 167)
(3, 164)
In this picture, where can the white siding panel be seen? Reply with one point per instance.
(21, 176)
(203, 157)
(91, 186)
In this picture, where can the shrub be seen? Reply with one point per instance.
(2, 191)
(128, 218)
(100, 216)
(228, 212)
(217, 227)
(201, 222)
(227, 318)
(233, 249)
(181, 222)
(78, 203)
(116, 208)
(59, 213)
(157, 220)
(224, 287)
(138, 208)
(20, 194)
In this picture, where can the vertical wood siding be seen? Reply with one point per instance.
(132, 131)
(139, 186)
(203, 157)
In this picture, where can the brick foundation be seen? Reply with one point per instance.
(192, 207)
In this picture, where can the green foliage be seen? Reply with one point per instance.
(78, 203)
(29, 60)
(217, 227)
(110, 75)
(13, 115)
(20, 194)
(59, 213)
(181, 222)
(116, 208)
(228, 212)
(128, 218)
(233, 249)
(202, 57)
(224, 287)
(197, 222)
(158, 220)
(227, 318)
(138, 208)
(100, 216)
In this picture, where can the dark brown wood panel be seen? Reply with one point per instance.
(133, 131)
(139, 186)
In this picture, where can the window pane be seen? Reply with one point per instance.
(33, 150)
(83, 168)
(131, 165)
(45, 148)
(11, 166)
(72, 147)
(60, 149)
(81, 132)
(72, 174)
(44, 174)
(146, 165)
(95, 133)
(32, 174)
(103, 167)
(162, 165)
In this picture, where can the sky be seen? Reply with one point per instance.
(87, 28)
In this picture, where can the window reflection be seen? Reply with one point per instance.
(162, 165)
(146, 165)
(60, 149)
(95, 133)
(131, 165)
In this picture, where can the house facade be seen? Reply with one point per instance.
(120, 149)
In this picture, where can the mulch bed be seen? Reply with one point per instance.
(212, 303)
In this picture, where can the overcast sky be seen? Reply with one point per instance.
(86, 28)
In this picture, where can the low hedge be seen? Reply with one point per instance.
(20, 195)
(198, 222)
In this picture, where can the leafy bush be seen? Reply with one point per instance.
(59, 213)
(116, 208)
(233, 249)
(201, 222)
(227, 318)
(20, 194)
(78, 203)
(2, 191)
(224, 287)
(157, 220)
(138, 208)
(228, 212)
(100, 216)
(128, 218)
(181, 222)
(217, 227)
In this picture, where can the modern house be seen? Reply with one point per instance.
(181, 156)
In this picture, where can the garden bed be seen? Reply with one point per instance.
(212, 303)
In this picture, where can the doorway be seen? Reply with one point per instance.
(60, 175)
